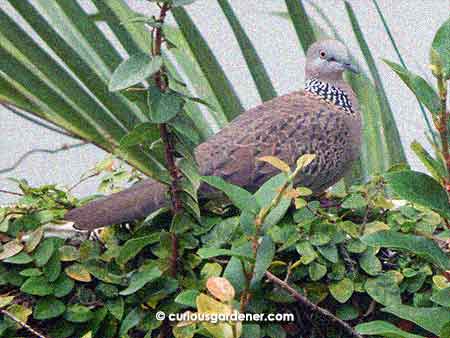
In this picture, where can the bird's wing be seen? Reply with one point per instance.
(285, 127)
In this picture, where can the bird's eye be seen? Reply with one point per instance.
(322, 54)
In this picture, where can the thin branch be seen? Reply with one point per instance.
(22, 324)
(442, 126)
(22, 158)
(311, 306)
(10, 192)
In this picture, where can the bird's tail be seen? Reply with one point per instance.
(130, 204)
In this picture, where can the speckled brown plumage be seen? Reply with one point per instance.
(285, 127)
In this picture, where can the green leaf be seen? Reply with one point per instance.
(382, 328)
(206, 253)
(221, 233)
(63, 286)
(188, 298)
(134, 70)
(240, 197)
(132, 247)
(44, 252)
(354, 201)
(431, 319)
(440, 49)
(131, 320)
(434, 167)
(264, 196)
(329, 251)
(442, 297)
(384, 289)
(254, 63)
(316, 271)
(163, 105)
(419, 188)
(32, 272)
(21, 258)
(419, 86)
(47, 308)
(347, 312)
(210, 67)
(78, 314)
(234, 272)
(116, 307)
(370, 263)
(342, 290)
(264, 257)
(420, 246)
(178, 3)
(302, 25)
(140, 278)
(37, 286)
(68, 253)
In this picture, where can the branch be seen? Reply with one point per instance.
(22, 158)
(311, 306)
(442, 126)
(169, 149)
(22, 324)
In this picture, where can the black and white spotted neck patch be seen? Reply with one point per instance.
(330, 94)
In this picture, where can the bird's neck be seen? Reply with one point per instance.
(335, 92)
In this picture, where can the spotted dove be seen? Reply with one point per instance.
(322, 120)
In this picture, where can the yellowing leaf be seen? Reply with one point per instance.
(304, 160)
(78, 272)
(441, 282)
(5, 300)
(276, 162)
(220, 288)
(300, 203)
(207, 304)
(10, 249)
(33, 241)
(376, 226)
(303, 191)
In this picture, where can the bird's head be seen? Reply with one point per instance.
(327, 60)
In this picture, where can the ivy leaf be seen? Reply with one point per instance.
(37, 286)
(135, 69)
(370, 263)
(133, 246)
(78, 314)
(47, 308)
(316, 271)
(10, 249)
(140, 278)
(188, 298)
(163, 106)
(342, 290)
(116, 307)
(78, 272)
(131, 320)
(441, 297)
(384, 289)
(44, 252)
(354, 201)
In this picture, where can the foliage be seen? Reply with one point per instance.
(377, 267)
(347, 258)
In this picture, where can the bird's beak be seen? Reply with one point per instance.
(351, 67)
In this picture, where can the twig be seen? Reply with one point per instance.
(10, 192)
(22, 324)
(442, 126)
(311, 306)
(22, 158)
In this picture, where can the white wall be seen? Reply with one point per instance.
(413, 22)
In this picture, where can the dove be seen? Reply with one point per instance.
(322, 119)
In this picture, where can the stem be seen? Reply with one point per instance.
(259, 221)
(311, 306)
(442, 126)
